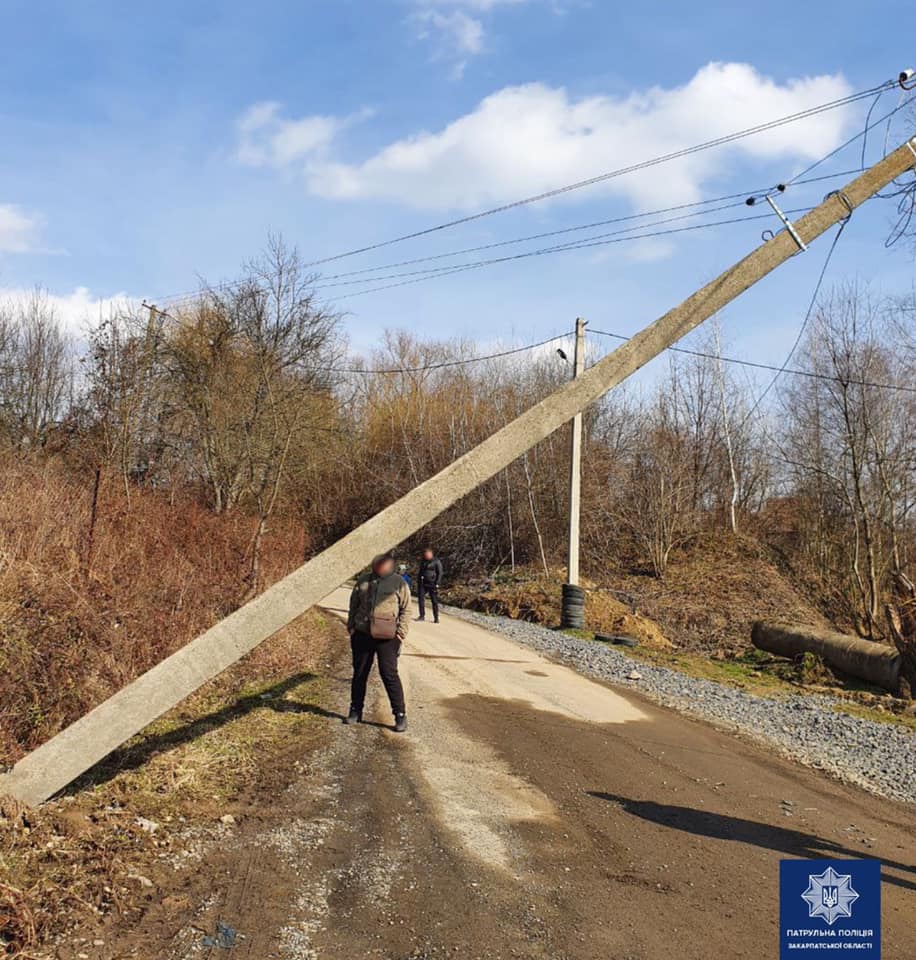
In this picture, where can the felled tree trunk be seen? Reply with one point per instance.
(876, 663)
(901, 618)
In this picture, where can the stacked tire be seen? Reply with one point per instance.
(572, 614)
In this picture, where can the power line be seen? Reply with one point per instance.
(599, 240)
(804, 324)
(410, 277)
(190, 295)
(421, 369)
(321, 285)
(585, 226)
(862, 134)
(566, 230)
(455, 363)
(612, 174)
(768, 366)
(578, 245)
(728, 138)
(540, 236)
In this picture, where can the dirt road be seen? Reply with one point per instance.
(533, 813)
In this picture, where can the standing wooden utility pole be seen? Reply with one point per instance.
(63, 758)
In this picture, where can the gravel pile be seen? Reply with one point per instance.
(880, 757)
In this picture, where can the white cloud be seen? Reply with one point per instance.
(18, 230)
(78, 310)
(481, 5)
(454, 27)
(463, 32)
(266, 138)
(521, 140)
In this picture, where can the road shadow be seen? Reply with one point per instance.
(140, 751)
(340, 611)
(719, 826)
(376, 724)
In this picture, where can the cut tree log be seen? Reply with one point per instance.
(875, 663)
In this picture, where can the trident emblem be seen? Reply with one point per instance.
(830, 896)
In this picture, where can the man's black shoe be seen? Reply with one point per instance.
(421, 619)
(354, 716)
(400, 723)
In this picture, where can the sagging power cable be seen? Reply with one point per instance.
(804, 324)
(452, 363)
(757, 365)
(439, 365)
(592, 242)
(642, 215)
(728, 138)
(699, 208)
(613, 174)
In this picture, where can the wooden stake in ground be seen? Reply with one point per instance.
(73, 751)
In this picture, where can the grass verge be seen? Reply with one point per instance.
(764, 675)
(100, 852)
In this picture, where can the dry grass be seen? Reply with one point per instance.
(765, 675)
(18, 931)
(70, 633)
(102, 850)
(712, 593)
(537, 599)
(81, 614)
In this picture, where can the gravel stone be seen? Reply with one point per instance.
(880, 757)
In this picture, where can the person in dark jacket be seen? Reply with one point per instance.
(378, 623)
(428, 582)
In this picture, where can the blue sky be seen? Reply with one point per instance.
(142, 146)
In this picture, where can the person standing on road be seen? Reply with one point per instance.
(429, 581)
(378, 623)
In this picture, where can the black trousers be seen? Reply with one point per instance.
(433, 590)
(365, 650)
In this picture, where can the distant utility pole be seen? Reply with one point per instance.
(575, 465)
(572, 609)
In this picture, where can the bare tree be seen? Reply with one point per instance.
(126, 393)
(657, 506)
(851, 446)
(726, 427)
(36, 370)
(253, 368)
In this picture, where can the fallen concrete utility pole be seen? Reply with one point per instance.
(875, 663)
(56, 763)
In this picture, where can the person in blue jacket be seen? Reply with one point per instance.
(405, 576)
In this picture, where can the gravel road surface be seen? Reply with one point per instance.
(531, 812)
